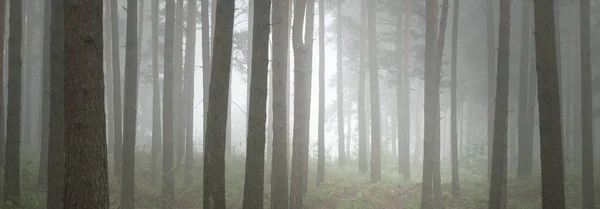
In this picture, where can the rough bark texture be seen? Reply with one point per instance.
(12, 177)
(86, 173)
(374, 87)
(340, 88)
(130, 107)
(553, 195)
(255, 143)
(498, 180)
(301, 105)
(45, 124)
(362, 122)
(118, 104)
(454, 102)
(156, 107)
(587, 122)
(431, 92)
(279, 175)
(190, 55)
(214, 136)
(56, 142)
(321, 126)
(168, 182)
(525, 153)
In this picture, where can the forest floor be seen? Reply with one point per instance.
(343, 189)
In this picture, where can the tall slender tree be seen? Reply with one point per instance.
(86, 172)
(279, 170)
(308, 43)
(189, 86)
(2, 124)
(587, 122)
(156, 110)
(340, 88)
(553, 193)
(362, 117)
(498, 179)
(525, 152)
(491, 63)
(214, 136)
(321, 131)
(12, 174)
(454, 103)
(118, 104)
(374, 87)
(45, 87)
(168, 184)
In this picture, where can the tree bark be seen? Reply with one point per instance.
(553, 195)
(374, 87)
(168, 184)
(12, 177)
(45, 124)
(214, 136)
(279, 170)
(86, 173)
(178, 121)
(118, 104)
(56, 140)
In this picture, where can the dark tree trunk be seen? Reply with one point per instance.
(86, 173)
(130, 111)
(12, 174)
(215, 134)
(45, 124)
(553, 195)
(2, 102)
(374, 88)
(168, 182)
(498, 179)
(56, 140)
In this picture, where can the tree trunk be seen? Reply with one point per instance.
(362, 122)
(279, 175)
(118, 117)
(431, 92)
(178, 87)
(56, 140)
(340, 88)
(525, 147)
(491, 62)
(498, 180)
(301, 105)
(130, 110)
(12, 177)
(190, 55)
(308, 39)
(86, 173)
(321, 126)
(45, 124)
(587, 121)
(553, 195)
(405, 108)
(374, 87)
(156, 107)
(2, 115)
(214, 136)
(168, 184)
(454, 103)
(205, 23)
(255, 145)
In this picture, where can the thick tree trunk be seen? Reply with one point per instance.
(525, 147)
(156, 107)
(130, 111)
(12, 177)
(431, 93)
(587, 122)
(279, 175)
(553, 195)
(86, 172)
(301, 105)
(453, 100)
(321, 126)
(168, 184)
(498, 180)
(214, 136)
(374, 88)
(190, 55)
(362, 122)
(56, 140)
